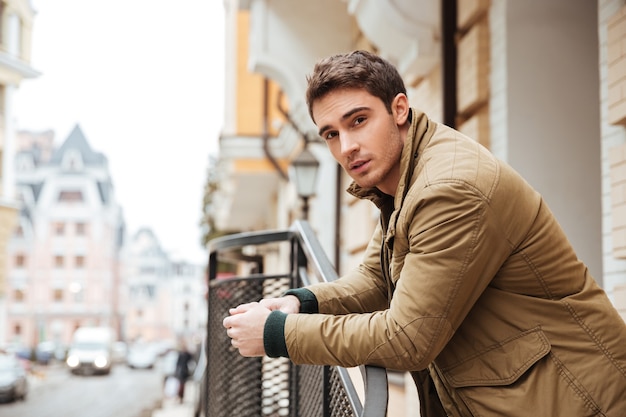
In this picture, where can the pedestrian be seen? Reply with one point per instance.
(181, 372)
(469, 282)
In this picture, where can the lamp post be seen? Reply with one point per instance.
(304, 175)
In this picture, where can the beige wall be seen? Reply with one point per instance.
(8, 218)
(250, 90)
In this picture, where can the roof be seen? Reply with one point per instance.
(76, 140)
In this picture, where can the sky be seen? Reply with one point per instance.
(144, 81)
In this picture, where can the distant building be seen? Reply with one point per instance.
(189, 303)
(165, 299)
(145, 271)
(64, 256)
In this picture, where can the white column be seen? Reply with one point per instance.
(8, 153)
(553, 120)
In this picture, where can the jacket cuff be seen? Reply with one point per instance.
(274, 335)
(308, 301)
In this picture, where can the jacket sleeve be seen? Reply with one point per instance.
(440, 275)
(362, 290)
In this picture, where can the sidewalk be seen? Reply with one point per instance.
(170, 407)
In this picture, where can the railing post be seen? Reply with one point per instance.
(326, 390)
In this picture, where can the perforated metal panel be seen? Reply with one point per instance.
(263, 387)
(234, 382)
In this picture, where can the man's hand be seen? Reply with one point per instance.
(289, 304)
(245, 328)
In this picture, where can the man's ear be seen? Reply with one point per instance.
(400, 108)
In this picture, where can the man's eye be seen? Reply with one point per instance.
(330, 135)
(359, 120)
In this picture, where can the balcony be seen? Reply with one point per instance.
(265, 264)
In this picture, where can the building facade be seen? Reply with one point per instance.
(164, 300)
(16, 22)
(538, 83)
(63, 258)
(188, 287)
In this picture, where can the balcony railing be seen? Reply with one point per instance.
(247, 267)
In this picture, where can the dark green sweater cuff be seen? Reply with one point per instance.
(308, 301)
(274, 335)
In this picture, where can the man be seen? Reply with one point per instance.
(181, 372)
(469, 282)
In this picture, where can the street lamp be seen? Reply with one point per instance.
(304, 175)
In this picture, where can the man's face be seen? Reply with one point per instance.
(362, 136)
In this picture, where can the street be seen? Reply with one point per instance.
(54, 392)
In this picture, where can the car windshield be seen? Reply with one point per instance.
(89, 345)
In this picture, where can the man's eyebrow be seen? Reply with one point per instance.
(344, 117)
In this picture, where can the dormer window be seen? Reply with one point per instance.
(72, 160)
(70, 196)
(24, 163)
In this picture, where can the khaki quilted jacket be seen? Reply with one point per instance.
(470, 283)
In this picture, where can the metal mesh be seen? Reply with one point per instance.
(339, 404)
(234, 382)
(263, 387)
(310, 382)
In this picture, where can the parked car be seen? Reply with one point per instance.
(20, 352)
(13, 380)
(120, 352)
(91, 351)
(142, 356)
(45, 352)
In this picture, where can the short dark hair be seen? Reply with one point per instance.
(357, 69)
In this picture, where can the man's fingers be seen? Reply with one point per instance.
(242, 308)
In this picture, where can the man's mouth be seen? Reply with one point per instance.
(356, 165)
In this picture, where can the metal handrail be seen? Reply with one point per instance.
(374, 378)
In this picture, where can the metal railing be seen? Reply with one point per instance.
(265, 264)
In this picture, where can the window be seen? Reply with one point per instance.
(57, 295)
(18, 295)
(76, 290)
(58, 261)
(14, 41)
(70, 197)
(72, 160)
(59, 228)
(80, 229)
(79, 261)
(20, 260)
(2, 14)
(147, 270)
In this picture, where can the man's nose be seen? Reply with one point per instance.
(348, 144)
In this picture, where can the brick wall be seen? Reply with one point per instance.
(610, 13)
(617, 161)
(620, 300)
(616, 67)
(474, 70)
